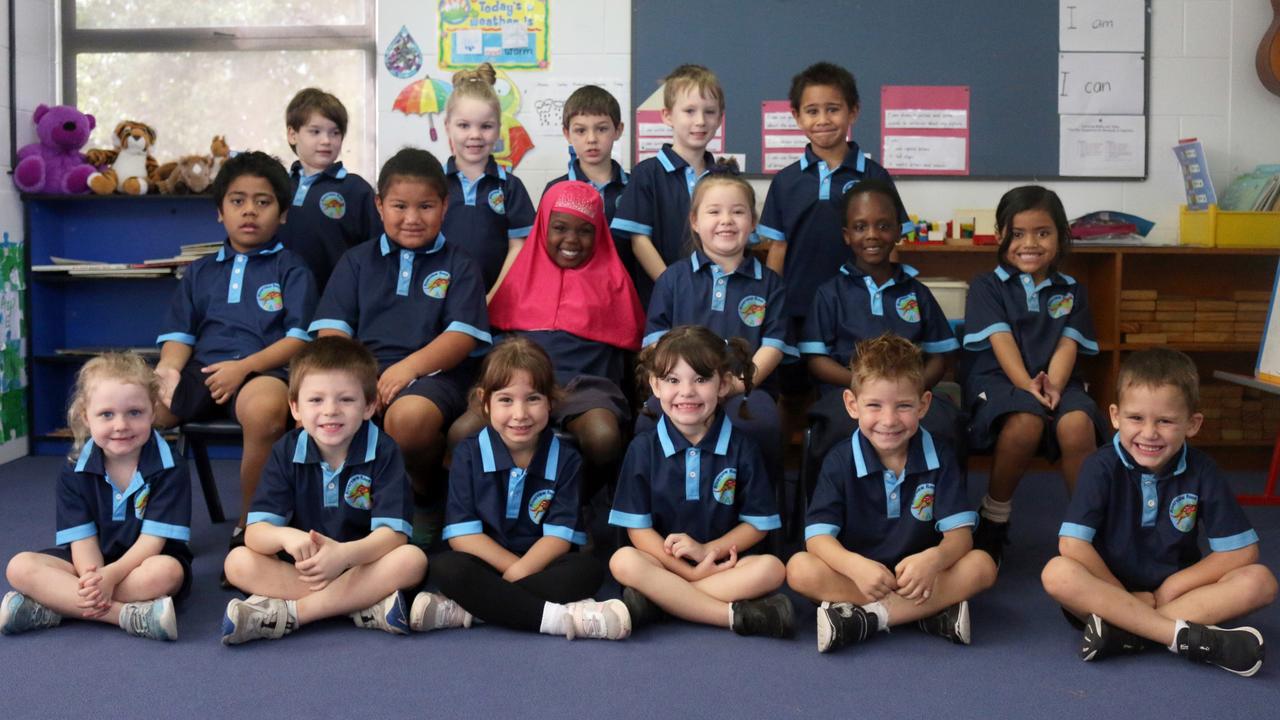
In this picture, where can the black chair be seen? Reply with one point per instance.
(196, 437)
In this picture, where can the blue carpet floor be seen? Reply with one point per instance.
(1022, 663)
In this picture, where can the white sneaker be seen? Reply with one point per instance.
(153, 619)
(433, 611)
(608, 620)
(19, 613)
(386, 615)
(258, 618)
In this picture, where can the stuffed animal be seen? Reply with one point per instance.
(219, 150)
(193, 174)
(129, 168)
(55, 165)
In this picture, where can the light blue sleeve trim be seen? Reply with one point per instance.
(564, 533)
(1087, 346)
(177, 337)
(471, 527)
(165, 530)
(397, 524)
(266, 517)
(630, 520)
(936, 347)
(821, 529)
(763, 523)
(1234, 542)
(338, 325)
(78, 532)
(978, 340)
(632, 227)
(813, 348)
(774, 343)
(299, 334)
(519, 233)
(1079, 532)
(474, 332)
(958, 520)
(767, 232)
(652, 338)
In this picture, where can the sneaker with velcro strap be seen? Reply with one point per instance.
(1236, 650)
(1102, 639)
(608, 620)
(256, 618)
(387, 615)
(151, 619)
(433, 611)
(950, 624)
(770, 616)
(841, 624)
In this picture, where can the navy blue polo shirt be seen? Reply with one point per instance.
(610, 192)
(1144, 524)
(1037, 315)
(396, 300)
(485, 215)
(157, 501)
(803, 211)
(573, 356)
(332, 211)
(882, 515)
(656, 204)
(515, 506)
(703, 490)
(851, 307)
(231, 305)
(369, 490)
(745, 303)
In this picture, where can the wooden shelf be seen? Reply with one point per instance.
(1195, 347)
(969, 247)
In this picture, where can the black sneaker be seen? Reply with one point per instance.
(643, 610)
(237, 540)
(1238, 650)
(950, 624)
(1102, 639)
(841, 624)
(770, 616)
(991, 537)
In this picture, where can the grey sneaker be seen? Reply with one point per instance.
(257, 618)
(841, 624)
(386, 615)
(608, 620)
(1237, 650)
(152, 619)
(950, 624)
(19, 613)
(433, 611)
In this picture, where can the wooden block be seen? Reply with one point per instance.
(1247, 338)
(1138, 294)
(1146, 338)
(1258, 317)
(1181, 337)
(1139, 305)
(1178, 327)
(1135, 316)
(1212, 326)
(1252, 295)
(1232, 434)
(1253, 307)
(1216, 305)
(1175, 315)
(1150, 327)
(1175, 305)
(1250, 327)
(1211, 413)
(1212, 337)
(1203, 316)
(1128, 327)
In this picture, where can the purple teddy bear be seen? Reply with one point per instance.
(55, 165)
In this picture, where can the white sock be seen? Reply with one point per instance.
(995, 510)
(554, 616)
(881, 612)
(292, 607)
(1178, 626)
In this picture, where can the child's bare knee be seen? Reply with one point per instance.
(1058, 576)
(239, 564)
(623, 564)
(410, 564)
(20, 570)
(985, 569)
(771, 570)
(1261, 584)
(162, 574)
(803, 572)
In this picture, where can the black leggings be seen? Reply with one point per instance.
(480, 590)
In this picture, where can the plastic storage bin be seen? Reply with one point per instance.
(1222, 228)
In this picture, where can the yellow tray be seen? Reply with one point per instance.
(1223, 228)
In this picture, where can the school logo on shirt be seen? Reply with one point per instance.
(498, 202)
(270, 298)
(751, 310)
(140, 502)
(1182, 511)
(1060, 305)
(724, 486)
(922, 503)
(909, 308)
(437, 284)
(539, 504)
(359, 492)
(848, 186)
(333, 205)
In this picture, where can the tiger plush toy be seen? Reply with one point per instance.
(129, 168)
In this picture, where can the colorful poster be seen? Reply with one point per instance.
(924, 129)
(13, 369)
(508, 34)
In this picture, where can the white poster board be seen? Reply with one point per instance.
(1269, 354)
(1102, 25)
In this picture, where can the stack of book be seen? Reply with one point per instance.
(1148, 317)
(156, 267)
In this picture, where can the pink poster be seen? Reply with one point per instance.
(651, 133)
(924, 129)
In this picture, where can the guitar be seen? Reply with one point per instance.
(1268, 58)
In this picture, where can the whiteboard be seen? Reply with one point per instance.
(1269, 354)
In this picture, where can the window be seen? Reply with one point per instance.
(193, 70)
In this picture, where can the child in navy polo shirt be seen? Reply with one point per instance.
(332, 208)
(889, 530)
(873, 295)
(329, 526)
(417, 302)
(694, 497)
(1025, 324)
(1130, 566)
(592, 124)
(490, 213)
(513, 516)
(654, 210)
(124, 508)
(802, 213)
(236, 319)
